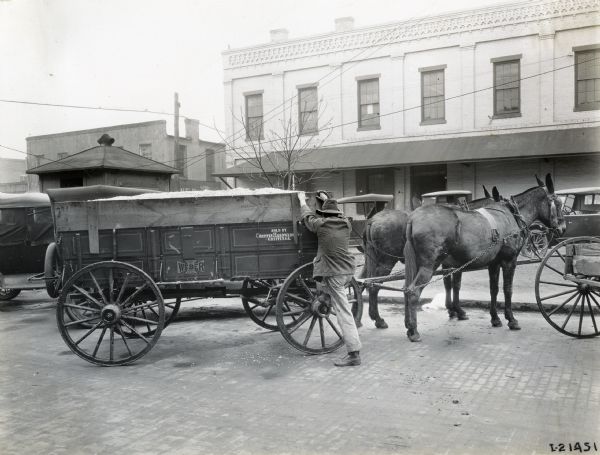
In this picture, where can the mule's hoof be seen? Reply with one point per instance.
(496, 323)
(451, 314)
(413, 336)
(358, 324)
(381, 324)
(514, 325)
(462, 316)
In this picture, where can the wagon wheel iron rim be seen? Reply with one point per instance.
(53, 271)
(261, 307)
(108, 297)
(570, 307)
(305, 319)
(8, 294)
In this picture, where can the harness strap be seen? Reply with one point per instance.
(491, 221)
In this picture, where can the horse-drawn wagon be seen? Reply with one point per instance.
(129, 260)
(26, 245)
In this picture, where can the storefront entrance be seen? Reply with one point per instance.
(425, 179)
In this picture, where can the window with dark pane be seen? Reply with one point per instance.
(587, 76)
(308, 110)
(368, 103)
(432, 101)
(507, 97)
(254, 116)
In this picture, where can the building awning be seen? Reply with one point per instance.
(533, 144)
(103, 157)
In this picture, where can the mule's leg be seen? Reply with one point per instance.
(508, 273)
(448, 289)
(374, 309)
(411, 300)
(456, 282)
(494, 273)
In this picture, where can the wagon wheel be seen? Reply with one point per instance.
(260, 306)
(536, 244)
(8, 294)
(52, 271)
(110, 296)
(569, 305)
(306, 319)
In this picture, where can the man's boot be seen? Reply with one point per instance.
(350, 360)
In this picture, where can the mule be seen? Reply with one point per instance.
(447, 236)
(384, 238)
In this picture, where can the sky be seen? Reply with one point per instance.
(135, 54)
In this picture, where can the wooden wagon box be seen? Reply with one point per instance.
(188, 236)
(586, 259)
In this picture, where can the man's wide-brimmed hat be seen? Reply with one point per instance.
(330, 206)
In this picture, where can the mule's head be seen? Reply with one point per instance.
(550, 211)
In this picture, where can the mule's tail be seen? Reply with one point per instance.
(410, 258)
(369, 252)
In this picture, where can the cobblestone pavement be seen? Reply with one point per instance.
(215, 383)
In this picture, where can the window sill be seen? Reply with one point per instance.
(433, 122)
(309, 133)
(591, 107)
(511, 115)
(250, 141)
(368, 128)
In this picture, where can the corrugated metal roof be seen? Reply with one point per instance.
(103, 157)
(534, 144)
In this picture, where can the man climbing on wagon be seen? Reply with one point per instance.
(334, 266)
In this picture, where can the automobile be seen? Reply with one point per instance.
(28, 258)
(581, 209)
(452, 197)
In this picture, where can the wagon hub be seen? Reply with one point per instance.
(583, 288)
(110, 313)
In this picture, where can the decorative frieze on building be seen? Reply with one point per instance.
(412, 30)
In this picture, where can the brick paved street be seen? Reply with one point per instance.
(217, 383)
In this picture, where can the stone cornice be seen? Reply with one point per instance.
(466, 21)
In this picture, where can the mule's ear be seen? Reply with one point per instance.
(496, 194)
(415, 202)
(549, 183)
(486, 193)
(539, 182)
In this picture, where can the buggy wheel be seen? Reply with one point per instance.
(568, 304)
(8, 294)
(307, 320)
(122, 306)
(259, 298)
(536, 244)
(52, 271)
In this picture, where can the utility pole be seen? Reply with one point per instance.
(176, 152)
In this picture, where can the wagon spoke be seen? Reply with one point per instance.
(125, 342)
(88, 295)
(335, 329)
(111, 283)
(587, 298)
(554, 270)
(581, 314)
(298, 299)
(300, 322)
(112, 343)
(289, 311)
(80, 321)
(267, 313)
(594, 299)
(293, 313)
(322, 332)
(100, 338)
(566, 285)
(87, 334)
(148, 328)
(557, 294)
(310, 329)
(571, 312)
(81, 307)
(134, 309)
(123, 287)
(137, 291)
(136, 332)
(97, 287)
(306, 288)
(561, 256)
(561, 305)
(134, 318)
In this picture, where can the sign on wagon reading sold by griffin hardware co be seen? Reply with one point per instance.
(276, 235)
